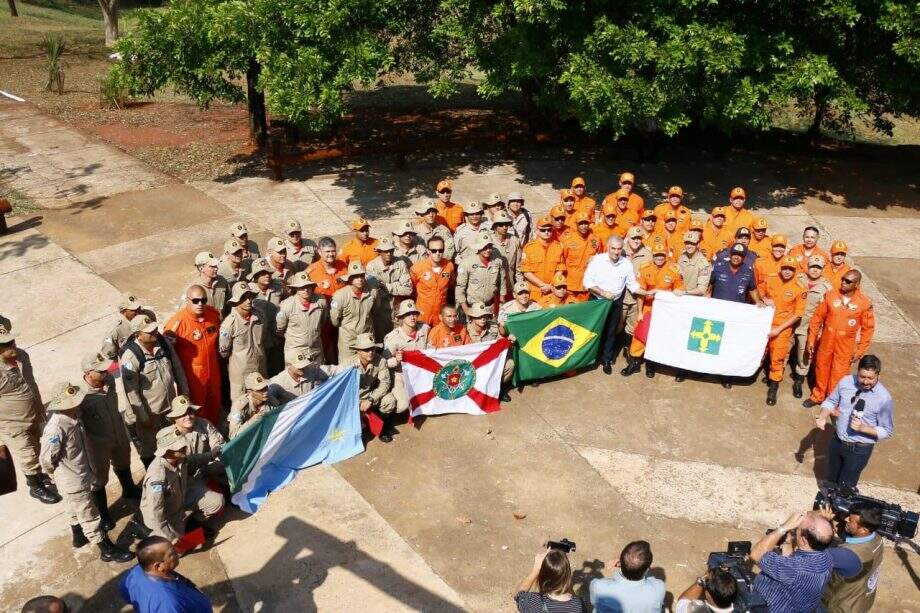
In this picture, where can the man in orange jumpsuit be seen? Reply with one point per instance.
(583, 202)
(449, 332)
(451, 213)
(432, 277)
(570, 206)
(655, 275)
(736, 216)
(672, 239)
(626, 217)
(541, 260)
(195, 330)
(769, 267)
(627, 183)
(788, 300)
(328, 272)
(760, 242)
(558, 218)
(362, 247)
(839, 319)
(578, 248)
(607, 226)
(838, 265)
(674, 204)
(807, 249)
(716, 235)
(650, 232)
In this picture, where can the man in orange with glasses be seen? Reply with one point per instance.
(627, 184)
(450, 213)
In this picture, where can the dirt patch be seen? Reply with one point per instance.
(142, 125)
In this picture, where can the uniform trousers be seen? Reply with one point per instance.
(24, 441)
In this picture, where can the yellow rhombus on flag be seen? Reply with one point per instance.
(557, 342)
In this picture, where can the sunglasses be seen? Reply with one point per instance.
(545, 230)
(199, 300)
(436, 250)
(848, 281)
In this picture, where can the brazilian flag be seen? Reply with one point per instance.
(556, 340)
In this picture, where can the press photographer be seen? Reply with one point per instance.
(551, 575)
(856, 594)
(714, 592)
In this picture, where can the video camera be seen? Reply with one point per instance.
(563, 545)
(736, 560)
(896, 523)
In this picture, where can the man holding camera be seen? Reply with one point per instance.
(856, 594)
(713, 593)
(794, 579)
(631, 589)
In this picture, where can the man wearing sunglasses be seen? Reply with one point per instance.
(195, 331)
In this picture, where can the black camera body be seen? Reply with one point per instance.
(735, 560)
(895, 523)
(564, 545)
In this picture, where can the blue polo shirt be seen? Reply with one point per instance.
(154, 595)
(729, 285)
(794, 584)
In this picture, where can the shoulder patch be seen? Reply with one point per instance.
(156, 486)
(54, 439)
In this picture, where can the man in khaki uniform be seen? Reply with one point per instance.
(65, 453)
(408, 249)
(250, 407)
(168, 492)
(481, 277)
(301, 317)
(240, 232)
(522, 303)
(391, 278)
(507, 248)
(243, 338)
(204, 441)
(375, 382)
(816, 285)
(408, 335)
(639, 255)
(300, 376)
(430, 225)
(482, 328)
(466, 234)
(152, 375)
(281, 267)
(300, 253)
(215, 287)
(694, 268)
(108, 437)
(352, 308)
(270, 292)
(231, 268)
(129, 308)
(22, 415)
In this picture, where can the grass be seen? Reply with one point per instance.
(22, 204)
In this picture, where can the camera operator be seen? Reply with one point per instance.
(865, 415)
(631, 589)
(856, 594)
(552, 576)
(794, 580)
(714, 592)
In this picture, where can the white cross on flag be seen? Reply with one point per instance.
(464, 379)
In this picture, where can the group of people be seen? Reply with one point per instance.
(258, 330)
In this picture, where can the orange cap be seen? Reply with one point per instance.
(545, 221)
(557, 211)
(648, 214)
(621, 194)
(760, 223)
(670, 216)
(737, 192)
(675, 190)
(443, 185)
(559, 279)
(838, 247)
(627, 177)
(788, 262)
(359, 223)
(610, 208)
(779, 239)
(564, 194)
(582, 218)
(659, 248)
(718, 210)
(578, 181)
(696, 224)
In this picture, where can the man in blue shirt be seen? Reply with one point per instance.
(154, 586)
(793, 582)
(630, 590)
(742, 237)
(864, 413)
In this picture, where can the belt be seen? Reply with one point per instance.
(853, 443)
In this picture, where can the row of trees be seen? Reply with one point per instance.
(647, 65)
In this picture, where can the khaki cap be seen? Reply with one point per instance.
(238, 230)
(406, 307)
(521, 287)
(478, 309)
(384, 243)
(298, 359)
(691, 237)
(483, 240)
(206, 258)
(443, 185)
(143, 323)
(240, 290)
(360, 223)
(171, 441)
(255, 381)
(428, 205)
(514, 196)
(67, 396)
(494, 199)
(364, 342)
(816, 260)
(7, 336)
(634, 232)
(779, 239)
(355, 267)
(232, 246)
(258, 267)
(559, 280)
(129, 303)
(276, 244)
(472, 207)
(300, 279)
(501, 217)
(96, 362)
(406, 227)
(292, 225)
(179, 406)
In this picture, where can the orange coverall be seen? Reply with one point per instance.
(577, 252)
(765, 269)
(603, 232)
(788, 302)
(735, 219)
(431, 288)
(327, 283)
(625, 220)
(196, 346)
(441, 336)
(715, 239)
(451, 213)
(838, 324)
(636, 204)
(651, 276)
(543, 260)
(683, 217)
(761, 247)
(357, 250)
(801, 257)
(835, 275)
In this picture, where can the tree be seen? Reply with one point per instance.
(110, 18)
(13, 11)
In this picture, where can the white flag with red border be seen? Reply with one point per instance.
(463, 379)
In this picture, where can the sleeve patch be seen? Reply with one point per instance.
(54, 439)
(156, 487)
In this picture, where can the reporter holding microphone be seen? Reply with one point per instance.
(864, 413)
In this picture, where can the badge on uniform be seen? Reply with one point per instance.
(851, 322)
(54, 439)
(836, 304)
(852, 306)
(196, 335)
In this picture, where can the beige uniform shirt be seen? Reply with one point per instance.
(302, 257)
(243, 412)
(375, 381)
(244, 343)
(509, 252)
(66, 453)
(695, 271)
(352, 315)
(489, 334)
(511, 307)
(202, 438)
(465, 237)
(100, 416)
(478, 282)
(149, 389)
(226, 272)
(283, 387)
(301, 326)
(217, 293)
(392, 282)
(640, 258)
(163, 498)
(121, 333)
(410, 256)
(398, 340)
(20, 402)
(442, 232)
(267, 304)
(813, 298)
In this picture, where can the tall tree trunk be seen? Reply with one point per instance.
(110, 17)
(13, 10)
(258, 124)
(814, 130)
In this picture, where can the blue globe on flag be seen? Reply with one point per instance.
(558, 342)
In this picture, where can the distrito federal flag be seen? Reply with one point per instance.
(707, 335)
(463, 379)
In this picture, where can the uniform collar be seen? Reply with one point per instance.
(858, 540)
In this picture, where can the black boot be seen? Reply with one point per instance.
(106, 522)
(607, 367)
(649, 369)
(79, 539)
(137, 529)
(128, 488)
(680, 376)
(797, 385)
(40, 491)
(386, 435)
(503, 394)
(146, 461)
(627, 341)
(772, 388)
(109, 552)
(632, 366)
(193, 524)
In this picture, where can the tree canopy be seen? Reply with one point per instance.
(613, 67)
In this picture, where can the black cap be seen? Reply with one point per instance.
(742, 232)
(739, 249)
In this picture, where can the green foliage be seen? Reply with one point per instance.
(54, 47)
(115, 89)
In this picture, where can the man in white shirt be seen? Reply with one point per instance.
(607, 276)
(713, 593)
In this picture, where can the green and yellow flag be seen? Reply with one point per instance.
(556, 340)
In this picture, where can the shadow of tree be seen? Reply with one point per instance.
(18, 247)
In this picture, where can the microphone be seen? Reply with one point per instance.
(859, 407)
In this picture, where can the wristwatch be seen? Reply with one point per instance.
(701, 581)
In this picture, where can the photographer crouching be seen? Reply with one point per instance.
(551, 575)
(713, 593)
